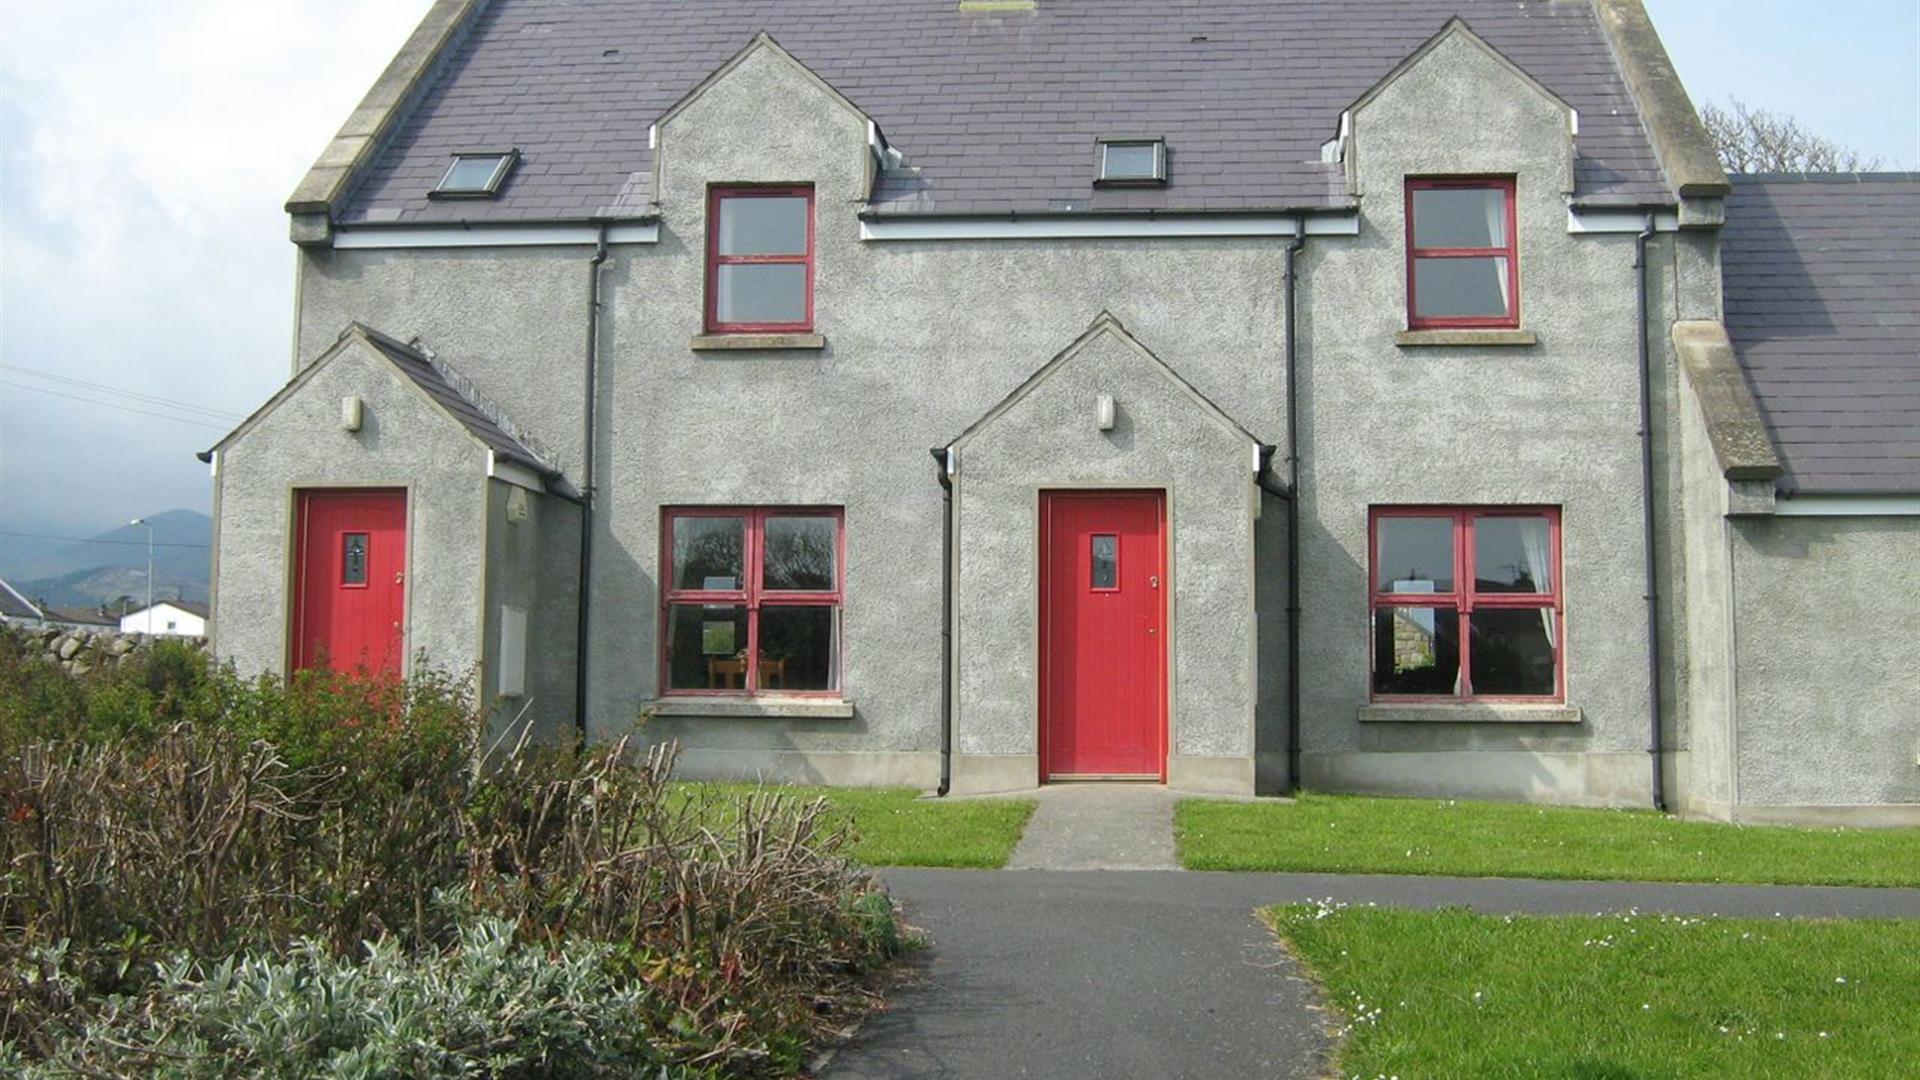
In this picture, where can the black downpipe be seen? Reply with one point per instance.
(588, 488)
(1646, 516)
(946, 622)
(1298, 242)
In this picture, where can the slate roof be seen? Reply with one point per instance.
(452, 392)
(13, 605)
(1822, 278)
(993, 113)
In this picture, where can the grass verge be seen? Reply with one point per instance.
(1357, 835)
(896, 827)
(1451, 993)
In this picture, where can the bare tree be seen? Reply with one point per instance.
(1752, 140)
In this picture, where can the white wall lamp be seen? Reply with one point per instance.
(350, 413)
(1105, 411)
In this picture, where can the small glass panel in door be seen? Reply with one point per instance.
(1105, 561)
(353, 559)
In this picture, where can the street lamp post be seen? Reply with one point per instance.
(149, 525)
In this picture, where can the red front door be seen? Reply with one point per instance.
(349, 603)
(1103, 634)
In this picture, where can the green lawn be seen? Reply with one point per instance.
(897, 827)
(1351, 834)
(1450, 993)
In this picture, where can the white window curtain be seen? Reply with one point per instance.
(1496, 208)
(1534, 539)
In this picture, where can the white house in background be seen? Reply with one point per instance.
(176, 618)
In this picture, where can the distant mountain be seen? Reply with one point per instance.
(114, 563)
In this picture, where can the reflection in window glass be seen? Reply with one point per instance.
(353, 560)
(1130, 161)
(763, 225)
(1415, 555)
(1472, 288)
(798, 554)
(1106, 561)
(1416, 650)
(753, 293)
(797, 646)
(1460, 217)
(708, 553)
(1513, 651)
(706, 647)
(1511, 555)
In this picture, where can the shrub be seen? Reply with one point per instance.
(274, 828)
(486, 1005)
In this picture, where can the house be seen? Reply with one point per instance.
(978, 395)
(172, 618)
(17, 610)
(95, 620)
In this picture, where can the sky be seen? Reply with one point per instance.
(146, 150)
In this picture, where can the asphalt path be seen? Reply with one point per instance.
(1110, 974)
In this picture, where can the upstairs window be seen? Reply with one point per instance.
(1467, 604)
(1462, 262)
(1131, 161)
(760, 260)
(475, 175)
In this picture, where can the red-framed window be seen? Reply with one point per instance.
(1467, 604)
(1463, 260)
(751, 599)
(760, 259)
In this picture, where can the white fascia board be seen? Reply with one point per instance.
(1620, 221)
(375, 237)
(515, 474)
(1105, 226)
(1848, 506)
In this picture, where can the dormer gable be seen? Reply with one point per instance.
(1457, 104)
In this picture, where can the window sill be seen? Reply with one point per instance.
(1466, 336)
(762, 707)
(1469, 712)
(725, 342)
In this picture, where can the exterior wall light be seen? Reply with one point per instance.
(1106, 412)
(351, 413)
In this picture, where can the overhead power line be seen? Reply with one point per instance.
(85, 540)
(131, 395)
(198, 422)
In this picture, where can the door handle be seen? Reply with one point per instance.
(399, 577)
(1152, 630)
(1153, 580)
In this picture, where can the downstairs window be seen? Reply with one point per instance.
(751, 600)
(1467, 604)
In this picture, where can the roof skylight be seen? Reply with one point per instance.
(475, 174)
(1132, 160)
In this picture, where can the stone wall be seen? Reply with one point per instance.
(79, 651)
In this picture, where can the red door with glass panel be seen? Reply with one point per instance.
(1103, 669)
(349, 606)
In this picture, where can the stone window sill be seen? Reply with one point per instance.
(761, 707)
(729, 342)
(1465, 337)
(1477, 712)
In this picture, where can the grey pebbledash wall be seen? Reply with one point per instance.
(924, 337)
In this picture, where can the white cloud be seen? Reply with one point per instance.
(147, 151)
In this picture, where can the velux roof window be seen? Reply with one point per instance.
(475, 174)
(1131, 160)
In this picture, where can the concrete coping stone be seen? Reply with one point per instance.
(762, 707)
(1466, 337)
(1735, 427)
(728, 342)
(1477, 712)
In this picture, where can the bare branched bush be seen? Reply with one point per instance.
(1751, 140)
(338, 814)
